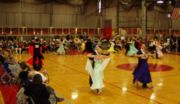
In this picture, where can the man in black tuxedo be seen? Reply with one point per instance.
(37, 55)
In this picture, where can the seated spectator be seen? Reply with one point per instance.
(14, 67)
(7, 72)
(40, 93)
(37, 90)
(24, 66)
(21, 98)
(11, 70)
(44, 75)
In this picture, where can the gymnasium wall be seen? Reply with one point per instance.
(133, 19)
(34, 15)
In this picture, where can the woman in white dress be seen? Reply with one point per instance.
(159, 53)
(61, 50)
(96, 63)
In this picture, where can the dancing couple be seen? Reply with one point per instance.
(35, 49)
(98, 59)
(142, 73)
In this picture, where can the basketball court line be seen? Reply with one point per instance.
(114, 85)
(73, 67)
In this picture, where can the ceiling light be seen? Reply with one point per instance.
(169, 15)
(170, 2)
(160, 1)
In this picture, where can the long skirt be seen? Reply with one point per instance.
(132, 50)
(61, 50)
(97, 73)
(142, 73)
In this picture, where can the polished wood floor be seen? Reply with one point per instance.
(70, 80)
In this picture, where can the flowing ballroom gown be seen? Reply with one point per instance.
(159, 51)
(132, 49)
(36, 57)
(61, 49)
(96, 72)
(142, 73)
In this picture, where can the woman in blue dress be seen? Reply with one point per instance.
(142, 73)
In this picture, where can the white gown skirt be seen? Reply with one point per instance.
(61, 50)
(97, 74)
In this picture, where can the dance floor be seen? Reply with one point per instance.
(70, 80)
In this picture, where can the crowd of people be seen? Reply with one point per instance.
(33, 81)
(98, 51)
(76, 44)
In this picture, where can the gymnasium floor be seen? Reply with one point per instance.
(70, 80)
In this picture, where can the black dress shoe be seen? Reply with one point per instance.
(145, 85)
(59, 99)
